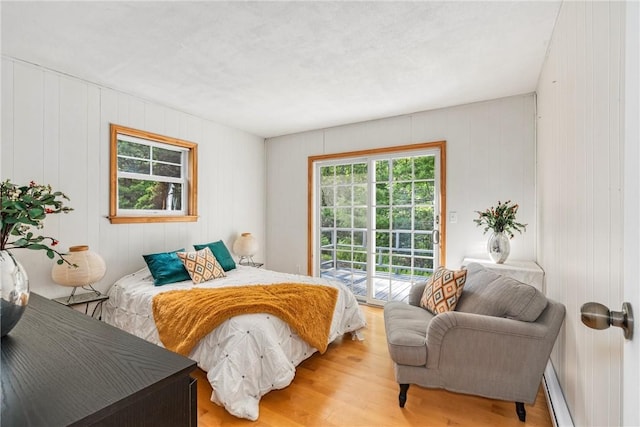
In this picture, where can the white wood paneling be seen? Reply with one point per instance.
(55, 129)
(579, 188)
(490, 157)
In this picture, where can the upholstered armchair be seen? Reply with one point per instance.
(495, 343)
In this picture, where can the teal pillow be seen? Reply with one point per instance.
(166, 268)
(221, 253)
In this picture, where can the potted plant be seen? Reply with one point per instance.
(501, 220)
(24, 208)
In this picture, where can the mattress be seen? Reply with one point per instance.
(246, 356)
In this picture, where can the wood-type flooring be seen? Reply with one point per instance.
(352, 384)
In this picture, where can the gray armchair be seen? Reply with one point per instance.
(495, 344)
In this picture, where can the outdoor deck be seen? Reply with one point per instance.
(356, 280)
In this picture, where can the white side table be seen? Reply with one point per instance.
(524, 271)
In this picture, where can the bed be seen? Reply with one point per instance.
(246, 356)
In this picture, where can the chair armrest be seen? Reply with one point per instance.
(415, 293)
(487, 348)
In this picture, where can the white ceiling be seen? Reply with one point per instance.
(274, 68)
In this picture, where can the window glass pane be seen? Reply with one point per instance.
(422, 242)
(382, 239)
(343, 196)
(149, 195)
(360, 258)
(359, 217)
(401, 218)
(382, 170)
(359, 239)
(382, 194)
(402, 169)
(382, 219)
(344, 239)
(425, 167)
(344, 259)
(422, 266)
(326, 175)
(327, 217)
(134, 166)
(132, 149)
(343, 174)
(327, 259)
(401, 193)
(424, 218)
(403, 241)
(163, 169)
(423, 192)
(343, 217)
(168, 156)
(401, 264)
(326, 196)
(360, 195)
(360, 173)
(326, 238)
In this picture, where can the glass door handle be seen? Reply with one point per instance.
(436, 237)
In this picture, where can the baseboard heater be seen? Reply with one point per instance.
(560, 415)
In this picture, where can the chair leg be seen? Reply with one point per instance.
(522, 413)
(402, 398)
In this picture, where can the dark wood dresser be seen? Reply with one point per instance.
(62, 368)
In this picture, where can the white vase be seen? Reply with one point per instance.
(498, 247)
(14, 291)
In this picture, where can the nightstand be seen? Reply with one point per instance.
(86, 299)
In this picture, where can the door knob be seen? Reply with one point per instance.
(598, 316)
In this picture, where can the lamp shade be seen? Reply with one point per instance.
(90, 268)
(245, 245)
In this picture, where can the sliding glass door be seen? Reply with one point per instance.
(377, 222)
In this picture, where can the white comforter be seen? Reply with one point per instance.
(245, 357)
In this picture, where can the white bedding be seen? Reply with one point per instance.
(246, 356)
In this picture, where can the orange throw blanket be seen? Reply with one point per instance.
(183, 318)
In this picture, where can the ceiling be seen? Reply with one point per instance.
(275, 68)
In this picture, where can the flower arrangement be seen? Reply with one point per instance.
(501, 218)
(26, 207)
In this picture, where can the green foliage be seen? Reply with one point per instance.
(151, 195)
(500, 218)
(25, 207)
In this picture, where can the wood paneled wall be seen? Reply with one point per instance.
(490, 156)
(579, 187)
(55, 129)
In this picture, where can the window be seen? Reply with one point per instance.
(153, 177)
(375, 222)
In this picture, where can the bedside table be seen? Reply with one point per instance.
(86, 299)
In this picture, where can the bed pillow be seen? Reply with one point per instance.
(166, 267)
(201, 265)
(443, 290)
(221, 253)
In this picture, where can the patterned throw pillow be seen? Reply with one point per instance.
(201, 265)
(443, 290)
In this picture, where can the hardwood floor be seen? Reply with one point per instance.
(352, 384)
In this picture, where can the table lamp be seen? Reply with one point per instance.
(90, 268)
(246, 246)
